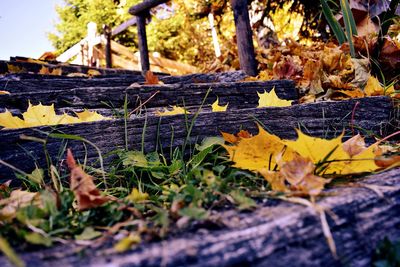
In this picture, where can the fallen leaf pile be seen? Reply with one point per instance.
(326, 71)
(296, 165)
(39, 115)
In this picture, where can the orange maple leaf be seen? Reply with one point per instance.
(151, 78)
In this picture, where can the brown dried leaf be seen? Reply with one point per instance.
(354, 145)
(85, 191)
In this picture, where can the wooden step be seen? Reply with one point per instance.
(325, 119)
(17, 67)
(25, 82)
(238, 95)
(277, 233)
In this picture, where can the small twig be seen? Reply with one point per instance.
(352, 117)
(322, 216)
(142, 104)
(13, 168)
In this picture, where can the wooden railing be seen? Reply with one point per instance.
(141, 12)
(244, 35)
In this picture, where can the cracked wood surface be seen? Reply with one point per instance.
(325, 119)
(238, 95)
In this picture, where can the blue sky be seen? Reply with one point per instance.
(23, 27)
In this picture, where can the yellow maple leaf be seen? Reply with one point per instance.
(87, 116)
(40, 115)
(332, 154)
(374, 88)
(258, 152)
(217, 108)
(271, 100)
(7, 120)
(175, 111)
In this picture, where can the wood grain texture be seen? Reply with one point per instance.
(326, 119)
(277, 234)
(238, 95)
(24, 82)
(66, 69)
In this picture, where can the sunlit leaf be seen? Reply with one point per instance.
(175, 111)
(217, 108)
(137, 196)
(271, 100)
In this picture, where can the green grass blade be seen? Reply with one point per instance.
(349, 24)
(10, 253)
(333, 23)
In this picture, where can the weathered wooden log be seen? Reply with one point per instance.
(277, 233)
(230, 76)
(24, 82)
(16, 67)
(244, 37)
(146, 5)
(238, 95)
(326, 119)
(59, 83)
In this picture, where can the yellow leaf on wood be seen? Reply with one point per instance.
(87, 116)
(175, 111)
(332, 154)
(7, 120)
(258, 152)
(217, 108)
(272, 100)
(5, 93)
(40, 115)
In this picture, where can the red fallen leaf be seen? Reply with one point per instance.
(390, 53)
(285, 69)
(244, 134)
(85, 191)
(385, 162)
(151, 78)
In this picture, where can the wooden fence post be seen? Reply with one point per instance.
(144, 50)
(108, 52)
(244, 37)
